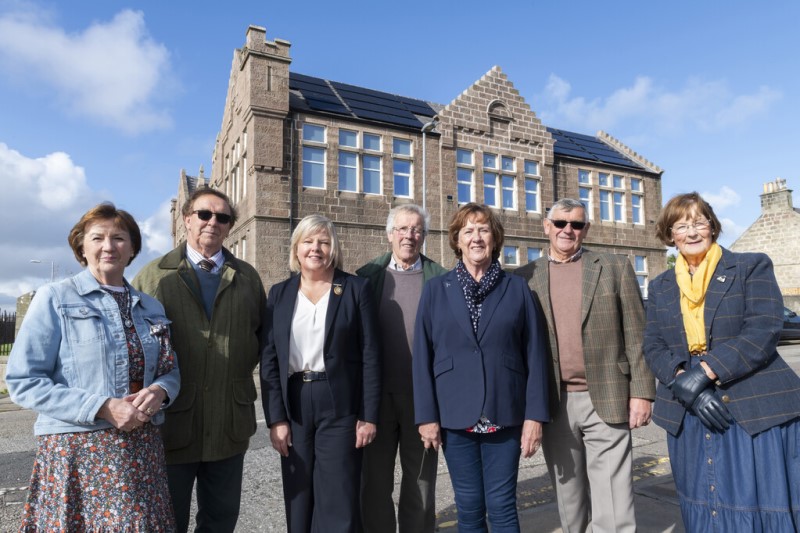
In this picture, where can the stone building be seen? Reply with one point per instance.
(291, 145)
(775, 233)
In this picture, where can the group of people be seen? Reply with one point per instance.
(407, 358)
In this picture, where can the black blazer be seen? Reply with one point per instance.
(352, 353)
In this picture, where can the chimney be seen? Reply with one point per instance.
(777, 198)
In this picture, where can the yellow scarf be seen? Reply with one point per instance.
(693, 295)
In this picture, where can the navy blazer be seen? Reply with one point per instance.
(500, 372)
(743, 319)
(351, 349)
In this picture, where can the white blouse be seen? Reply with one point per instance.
(307, 341)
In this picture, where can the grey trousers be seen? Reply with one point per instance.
(591, 468)
(417, 506)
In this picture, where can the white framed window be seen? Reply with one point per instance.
(359, 171)
(585, 197)
(509, 184)
(402, 167)
(490, 180)
(612, 197)
(510, 255)
(314, 133)
(584, 177)
(372, 142)
(640, 267)
(244, 248)
(401, 172)
(531, 169)
(637, 201)
(619, 206)
(348, 171)
(314, 156)
(401, 147)
(348, 138)
(534, 254)
(371, 174)
(465, 176)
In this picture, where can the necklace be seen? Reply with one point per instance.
(125, 310)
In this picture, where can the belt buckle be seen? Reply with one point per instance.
(306, 379)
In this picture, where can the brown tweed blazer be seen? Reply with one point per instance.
(612, 329)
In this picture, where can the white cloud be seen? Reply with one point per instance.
(705, 105)
(157, 230)
(730, 231)
(42, 198)
(724, 198)
(112, 72)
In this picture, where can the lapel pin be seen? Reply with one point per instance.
(446, 283)
(721, 279)
(337, 289)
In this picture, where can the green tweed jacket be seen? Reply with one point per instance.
(214, 416)
(612, 331)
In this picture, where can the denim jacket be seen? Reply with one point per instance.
(71, 354)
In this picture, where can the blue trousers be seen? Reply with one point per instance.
(483, 469)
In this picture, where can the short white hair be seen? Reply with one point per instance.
(408, 208)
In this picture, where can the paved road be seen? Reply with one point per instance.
(262, 502)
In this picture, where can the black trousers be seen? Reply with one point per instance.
(219, 491)
(321, 476)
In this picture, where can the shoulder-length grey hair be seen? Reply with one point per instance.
(311, 225)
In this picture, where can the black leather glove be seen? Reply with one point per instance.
(711, 411)
(688, 385)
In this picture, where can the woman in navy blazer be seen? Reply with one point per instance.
(729, 403)
(320, 381)
(480, 379)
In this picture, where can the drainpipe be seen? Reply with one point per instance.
(427, 127)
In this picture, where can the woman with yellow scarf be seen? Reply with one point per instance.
(729, 403)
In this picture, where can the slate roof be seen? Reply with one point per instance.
(318, 95)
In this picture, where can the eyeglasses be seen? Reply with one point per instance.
(409, 230)
(699, 225)
(205, 215)
(561, 224)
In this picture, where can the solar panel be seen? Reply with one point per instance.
(578, 145)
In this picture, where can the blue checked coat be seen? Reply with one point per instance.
(743, 319)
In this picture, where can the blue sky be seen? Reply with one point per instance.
(108, 100)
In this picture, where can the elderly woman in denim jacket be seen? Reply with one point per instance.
(93, 358)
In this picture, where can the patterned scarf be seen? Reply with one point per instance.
(475, 292)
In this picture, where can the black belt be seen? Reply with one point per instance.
(308, 375)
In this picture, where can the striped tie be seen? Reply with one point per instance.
(206, 264)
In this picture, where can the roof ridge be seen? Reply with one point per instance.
(629, 152)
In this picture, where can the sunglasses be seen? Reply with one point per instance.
(205, 215)
(561, 224)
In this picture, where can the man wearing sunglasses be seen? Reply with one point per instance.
(600, 387)
(217, 306)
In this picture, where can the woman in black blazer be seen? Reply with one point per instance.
(320, 381)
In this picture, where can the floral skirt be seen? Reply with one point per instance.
(106, 480)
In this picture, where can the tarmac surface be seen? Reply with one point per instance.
(656, 502)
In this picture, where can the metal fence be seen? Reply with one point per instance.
(7, 324)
